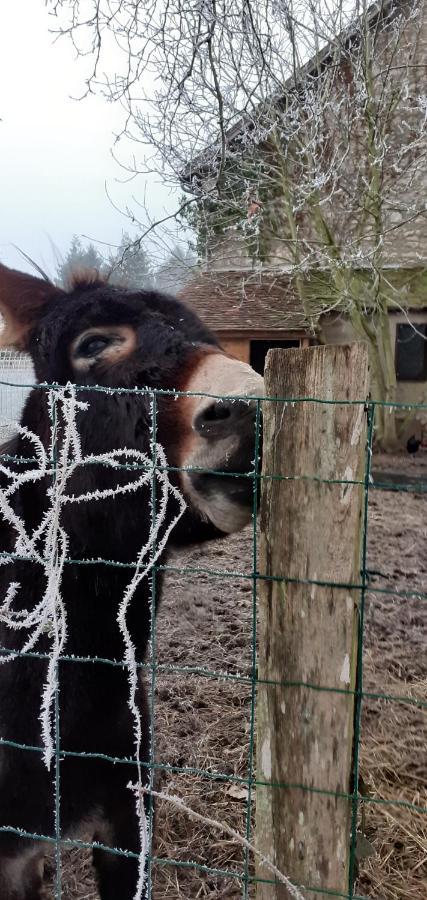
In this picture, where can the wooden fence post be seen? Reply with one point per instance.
(310, 532)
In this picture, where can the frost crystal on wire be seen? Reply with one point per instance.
(48, 545)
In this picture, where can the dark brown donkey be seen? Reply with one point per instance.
(95, 334)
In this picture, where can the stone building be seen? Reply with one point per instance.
(247, 289)
(253, 313)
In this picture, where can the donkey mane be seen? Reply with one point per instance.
(84, 278)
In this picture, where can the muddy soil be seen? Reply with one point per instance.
(203, 713)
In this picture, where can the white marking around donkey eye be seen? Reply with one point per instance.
(123, 343)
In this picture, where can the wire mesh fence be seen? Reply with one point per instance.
(18, 369)
(208, 687)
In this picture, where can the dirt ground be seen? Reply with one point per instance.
(203, 723)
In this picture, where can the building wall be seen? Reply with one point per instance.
(238, 347)
(403, 177)
(339, 331)
(403, 173)
(227, 252)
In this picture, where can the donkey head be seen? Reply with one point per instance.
(96, 334)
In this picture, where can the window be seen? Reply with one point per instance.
(411, 352)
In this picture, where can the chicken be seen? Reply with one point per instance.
(413, 444)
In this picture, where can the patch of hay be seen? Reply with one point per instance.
(204, 723)
(393, 764)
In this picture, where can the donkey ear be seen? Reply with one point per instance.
(23, 299)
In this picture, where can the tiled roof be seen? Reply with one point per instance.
(239, 301)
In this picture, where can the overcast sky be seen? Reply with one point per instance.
(55, 152)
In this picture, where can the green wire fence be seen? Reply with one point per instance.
(151, 669)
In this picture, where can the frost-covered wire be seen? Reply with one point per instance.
(48, 545)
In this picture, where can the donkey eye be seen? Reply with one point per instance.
(92, 345)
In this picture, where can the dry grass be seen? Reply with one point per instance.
(204, 723)
(394, 767)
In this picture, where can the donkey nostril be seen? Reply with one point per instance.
(223, 417)
(213, 418)
(217, 411)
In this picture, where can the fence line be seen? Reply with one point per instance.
(156, 469)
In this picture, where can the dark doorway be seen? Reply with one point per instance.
(259, 350)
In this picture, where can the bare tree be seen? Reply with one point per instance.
(298, 126)
(130, 265)
(176, 270)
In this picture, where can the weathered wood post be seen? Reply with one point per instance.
(310, 532)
